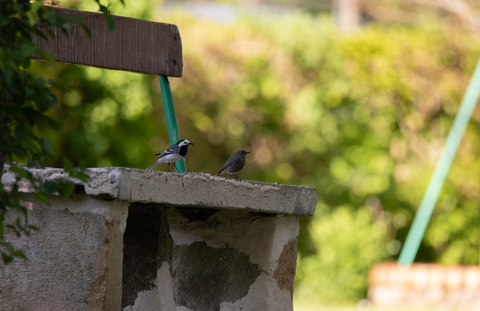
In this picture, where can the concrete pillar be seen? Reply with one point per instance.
(137, 240)
(74, 260)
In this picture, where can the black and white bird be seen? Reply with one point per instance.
(173, 154)
(234, 164)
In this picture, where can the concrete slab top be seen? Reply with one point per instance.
(197, 190)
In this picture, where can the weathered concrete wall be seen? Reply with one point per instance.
(136, 240)
(75, 259)
(218, 259)
(233, 260)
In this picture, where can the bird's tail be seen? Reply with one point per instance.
(220, 172)
(152, 166)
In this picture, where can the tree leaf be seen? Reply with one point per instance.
(67, 164)
(46, 145)
(42, 197)
(51, 187)
(108, 16)
(67, 188)
(19, 254)
(45, 55)
(21, 172)
(6, 258)
(2, 227)
(87, 30)
(36, 6)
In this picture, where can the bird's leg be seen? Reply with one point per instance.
(236, 176)
(176, 167)
(168, 163)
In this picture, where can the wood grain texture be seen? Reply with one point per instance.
(134, 45)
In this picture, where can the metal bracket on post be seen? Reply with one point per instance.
(170, 116)
(424, 213)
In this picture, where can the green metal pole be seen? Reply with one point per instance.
(170, 116)
(420, 222)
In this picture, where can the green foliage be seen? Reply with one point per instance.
(361, 118)
(25, 100)
(348, 243)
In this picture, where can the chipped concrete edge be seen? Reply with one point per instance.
(202, 191)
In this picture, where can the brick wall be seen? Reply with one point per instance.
(425, 284)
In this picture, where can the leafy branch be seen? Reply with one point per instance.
(24, 102)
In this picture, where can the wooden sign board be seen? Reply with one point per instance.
(134, 45)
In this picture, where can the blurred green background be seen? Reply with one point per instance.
(361, 116)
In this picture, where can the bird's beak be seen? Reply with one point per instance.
(192, 144)
(248, 152)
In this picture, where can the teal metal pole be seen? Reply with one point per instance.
(420, 222)
(170, 116)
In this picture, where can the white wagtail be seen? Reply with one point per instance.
(234, 164)
(173, 154)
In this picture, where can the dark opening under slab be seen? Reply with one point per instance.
(146, 245)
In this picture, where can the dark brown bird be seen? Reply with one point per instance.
(234, 164)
